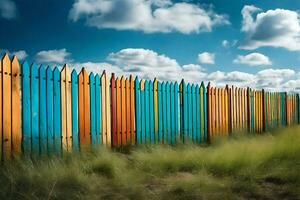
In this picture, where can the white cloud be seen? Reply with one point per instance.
(275, 28)
(8, 9)
(21, 54)
(206, 58)
(58, 56)
(148, 64)
(146, 15)
(225, 43)
(253, 59)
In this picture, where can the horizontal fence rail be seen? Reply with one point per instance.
(46, 111)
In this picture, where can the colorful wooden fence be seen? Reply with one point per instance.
(45, 110)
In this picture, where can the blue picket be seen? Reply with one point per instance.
(160, 112)
(164, 111)
(172, 115)
(42, 109)
(205, 135)
(92, 108)
(168, 120)
(57, 110)
(151, 114)
(197, 114)
(49, 85)
(34, 87)
(147, 110)
(189, 108)
(176, 114)
(184, 113)
(137, 111)
(74, 88)
(194, 113)
(98, 108)
(26, 109)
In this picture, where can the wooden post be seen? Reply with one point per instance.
(208, 103)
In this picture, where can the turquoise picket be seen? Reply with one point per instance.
(98, 109)
(160, 112)
(42, 109)
(92, 109)
(49, 85)
(74, 88)
(143, 115)
(204, 114)
(151, 113)
(184, 113)
(189, 110)
(164, 111)
(198, 114)
(172, 115)
(137, 111)
(194, 113)
(34, 87)
(26, 109)
(168, 120)
(176, 134)
(57, 110)
(147, 110)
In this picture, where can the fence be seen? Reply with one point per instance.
(48, 111)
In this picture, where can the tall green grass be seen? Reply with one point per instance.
(240, 167)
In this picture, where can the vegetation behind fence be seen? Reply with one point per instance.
(48, 111)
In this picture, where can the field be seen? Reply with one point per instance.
(241, 167)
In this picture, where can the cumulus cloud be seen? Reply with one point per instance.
(8, 9)
(253, 59)
(58, 56)
(148, 64)
(206, 58)
(146, 15)
(275, 28)
(21, 54)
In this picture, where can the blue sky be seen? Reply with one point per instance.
(249, 43)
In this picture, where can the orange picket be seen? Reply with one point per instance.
(16, 107)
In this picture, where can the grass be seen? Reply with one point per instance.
(241, 167)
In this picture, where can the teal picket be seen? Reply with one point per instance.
(197, 115)
(26, 109)
(92, 109)
(57, 110)
(98, 109)
(160, 112)
(204, 111)
(194, 113)
(176, 123)
(184, 113)
(151, 113)
(49, 96)
(34, 87)
(74, 88)
(164, 111)
(168, 120)
(172, 115)
(189, 110)
(143, 114)
(137, 111)
(42, 109)
(147, 110)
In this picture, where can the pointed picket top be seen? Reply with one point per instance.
(176, 85)
(25, 68)
(42, 70)
(103, 74)
(15, 66)
(49, 71)
(155, 81)
(136, 80)
(56, 72)
(91, 75)
(202, 84)
(6, 63)
(74, 75)
(5, 58)
(197, 87)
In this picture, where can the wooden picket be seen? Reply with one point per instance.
(45, 110)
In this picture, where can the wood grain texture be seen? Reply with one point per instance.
(108, 113)
(113, 111)
(123, 111)
(6, 106)
(16, 107)
(127, 104)
(1, 128)
(119, 112)
(132, 110)
(103, 110)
